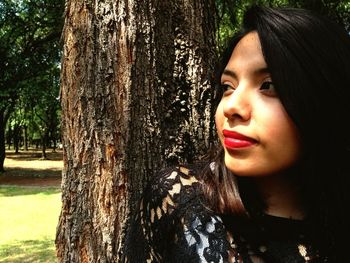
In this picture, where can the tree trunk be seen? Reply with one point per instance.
(44, 136)
(2, 140)
(16, 137)
(53, 130)
(136, 96)
(4, 116)
(25, 137)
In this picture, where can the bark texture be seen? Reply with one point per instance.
(136, 96)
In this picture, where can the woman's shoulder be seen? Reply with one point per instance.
(174, 222)
(175, 206)
(175, 178)
(173, 187)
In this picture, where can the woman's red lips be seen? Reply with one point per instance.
(234, 140)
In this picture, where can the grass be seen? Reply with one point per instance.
(29, 214)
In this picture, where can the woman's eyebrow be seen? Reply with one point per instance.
(229, 73)
(258, 71)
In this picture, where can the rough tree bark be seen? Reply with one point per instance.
(136, 96)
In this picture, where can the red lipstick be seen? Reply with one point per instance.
(234, 140)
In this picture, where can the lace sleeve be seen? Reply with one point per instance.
(173, 225)
(151, 230)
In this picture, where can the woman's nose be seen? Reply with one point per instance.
(238, 104)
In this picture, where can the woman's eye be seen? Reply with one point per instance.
(226, 87)
(268, 87)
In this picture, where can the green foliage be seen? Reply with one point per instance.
(30, 51)
(40, 101)
(29, 41)
(230, 13)
(230, 16)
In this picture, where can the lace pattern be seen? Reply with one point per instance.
(173, 224)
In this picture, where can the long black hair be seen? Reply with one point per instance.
(308, 57)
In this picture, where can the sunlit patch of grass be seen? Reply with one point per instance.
(28, 251)
(29, 216)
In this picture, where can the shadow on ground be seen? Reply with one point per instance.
(27, 169)
(31, 172)
(28, 251)
(27, 190)
(34, 155)
(50, 179)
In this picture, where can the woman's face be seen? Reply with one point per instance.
(258, 136)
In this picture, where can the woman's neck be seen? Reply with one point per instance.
(281, 196)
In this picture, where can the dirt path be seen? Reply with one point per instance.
(53, 181)
(27, 169)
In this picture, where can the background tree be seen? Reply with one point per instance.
(42, 98)
(230, 13)
(29, 44)
(136, 96)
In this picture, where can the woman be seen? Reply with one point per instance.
(277, 188)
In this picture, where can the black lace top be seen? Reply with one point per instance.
(173, 224)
